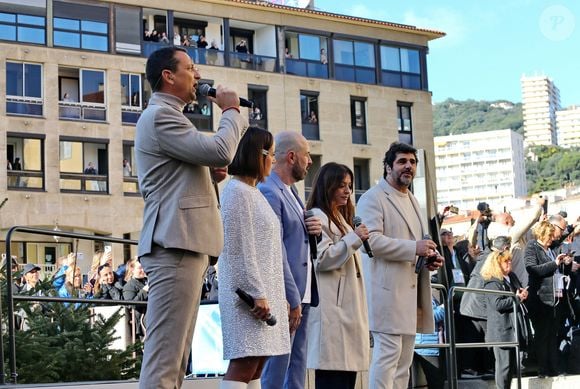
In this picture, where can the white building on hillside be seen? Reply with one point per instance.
(568, 121)
(483, 166)
(540, 101)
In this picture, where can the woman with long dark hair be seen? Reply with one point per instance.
(338, 336)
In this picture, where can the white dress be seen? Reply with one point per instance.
(252, 261)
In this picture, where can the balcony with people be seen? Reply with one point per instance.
(306, 55)
(82, 94)
(252, 46)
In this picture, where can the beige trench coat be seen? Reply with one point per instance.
(338, 333)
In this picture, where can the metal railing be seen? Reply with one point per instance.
(453, 345)
(11, 298)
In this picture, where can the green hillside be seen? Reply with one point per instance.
(461, 117)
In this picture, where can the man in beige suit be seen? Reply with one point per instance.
(181, 220)
(399, 300)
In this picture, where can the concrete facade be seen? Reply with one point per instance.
(568, 122)
(540, 101)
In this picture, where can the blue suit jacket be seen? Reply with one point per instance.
(294, 237)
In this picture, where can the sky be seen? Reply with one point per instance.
(489, 44)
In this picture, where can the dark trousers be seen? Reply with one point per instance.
(505, 365)
(547, 321)
(433, 369)
(334, 379)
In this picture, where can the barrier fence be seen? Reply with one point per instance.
(450, 346)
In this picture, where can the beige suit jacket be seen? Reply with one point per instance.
(399, 301)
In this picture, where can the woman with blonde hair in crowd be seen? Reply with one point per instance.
(497, 274)
(548, 303)
(338, 330)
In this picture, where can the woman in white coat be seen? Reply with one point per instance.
(338, 332)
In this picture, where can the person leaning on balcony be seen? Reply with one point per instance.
(181, 218)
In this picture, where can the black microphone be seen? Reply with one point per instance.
(206, 90)
(357, 221)
(270, 320)
(311, 238)
(423, 260)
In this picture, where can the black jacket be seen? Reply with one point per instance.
(541, 269)
(110, 292)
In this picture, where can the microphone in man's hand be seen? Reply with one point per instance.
(357, 221)
(270, 320)
(207, 90)
(423, 260)
(311, 238)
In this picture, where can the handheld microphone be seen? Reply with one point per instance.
(206, 90)
(357, 221)
(311, 238)
(271, 320)
(423, 260)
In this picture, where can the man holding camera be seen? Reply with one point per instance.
(399, 300)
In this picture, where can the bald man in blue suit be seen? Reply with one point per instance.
(292, 164)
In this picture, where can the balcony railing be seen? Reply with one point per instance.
(253, 62)
(130, 115)
(310, 131)
(25, 179)
(131, 186)
(82, 111)
(83, 183)
(24, 106)
(306, 68)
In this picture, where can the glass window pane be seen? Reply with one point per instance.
(33, 76)
(14, 79)
(31, 35)
(67, 39)
(343, 52)
(32, 155)
(29, 19)
(136, 90)
(390, 58)
(7, 33)
(125, 89)
(90, 26)
(9, 18)
(364, 54)
(71, 157)
(67, 24)
(410, 61)
(309, 47)
(93, 86)
(95, 42)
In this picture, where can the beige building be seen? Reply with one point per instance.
(568, 122)
(540, 101)
(74, 88)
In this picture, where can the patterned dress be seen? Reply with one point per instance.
(252, 261)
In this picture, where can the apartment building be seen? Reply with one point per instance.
(540, 101)
(568, 124)
(74, 87)
(483, 166)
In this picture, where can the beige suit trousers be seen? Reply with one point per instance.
(392, 357)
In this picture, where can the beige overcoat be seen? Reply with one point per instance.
(338, 332)
(399, 301)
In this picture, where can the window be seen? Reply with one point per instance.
(200, 112)
(22, 28)
(306, 55)
(259, 114)
(404, 122)
(131, 92)
(127, 30)
(82, 94)
(130, 182)
(24, 88)
(84, 165)
(311, 175)
(309, 112)
(361, 177)
(25, 160)
(354, 61)
(358, 120)
(81, 26)
(401, 67)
